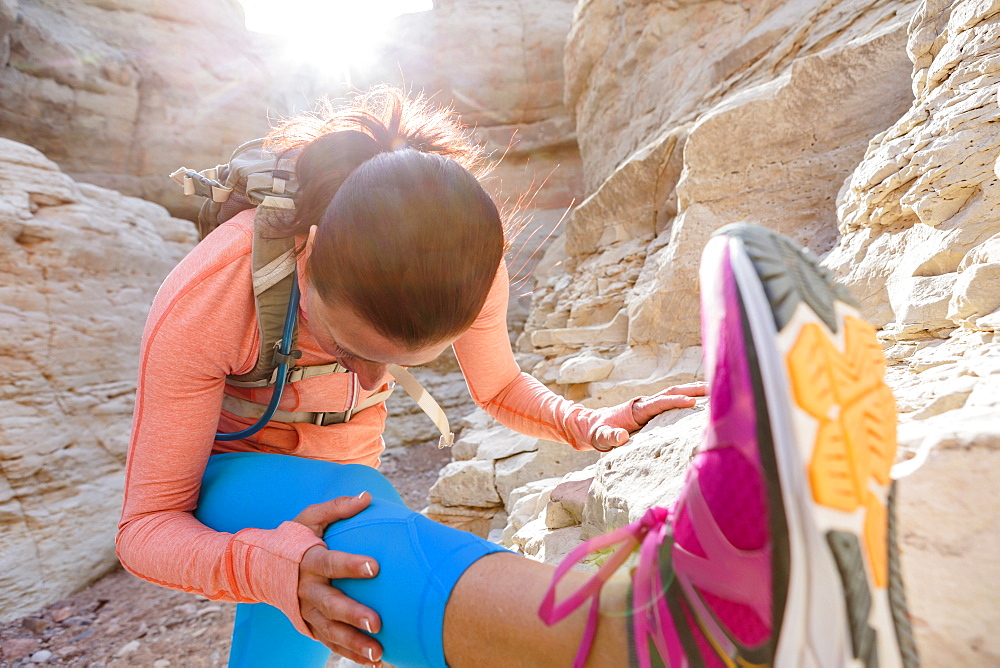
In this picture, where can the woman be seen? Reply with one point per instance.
(400, 257)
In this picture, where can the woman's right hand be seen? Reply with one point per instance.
(333, 618)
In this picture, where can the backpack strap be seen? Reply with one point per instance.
(426, 402)
(251, 409)
(273, 261)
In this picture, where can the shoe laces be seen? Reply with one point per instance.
(645, 534)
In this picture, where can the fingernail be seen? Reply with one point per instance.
(370, 654)
(367, 624)
(361, 495)
(368, 570)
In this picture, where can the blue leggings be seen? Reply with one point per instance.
(420, 560)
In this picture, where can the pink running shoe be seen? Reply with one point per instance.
(780, 549)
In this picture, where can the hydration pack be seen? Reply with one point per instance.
(256, 178)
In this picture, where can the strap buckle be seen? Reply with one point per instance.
(289, 359)
(338, 417)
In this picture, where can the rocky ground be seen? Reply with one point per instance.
(123, 621)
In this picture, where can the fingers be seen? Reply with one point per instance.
(678, 396)
(606, 438)
(344, 639)
(332, 605)
(326, 564)
(334, 618)
(321, 515)
(647, 408)
(698, 389)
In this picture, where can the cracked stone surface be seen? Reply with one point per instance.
(866, 131)
(122, 93)
(80, 267)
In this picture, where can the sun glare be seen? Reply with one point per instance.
(330, 35)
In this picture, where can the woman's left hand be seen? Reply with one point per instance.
(645, 409)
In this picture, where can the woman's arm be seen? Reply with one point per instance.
(200, 328)
(522, 403)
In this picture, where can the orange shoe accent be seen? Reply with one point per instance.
(875, 538)
(856, 415)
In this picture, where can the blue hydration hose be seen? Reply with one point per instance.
(284, 352)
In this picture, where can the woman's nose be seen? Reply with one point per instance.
(370, 374)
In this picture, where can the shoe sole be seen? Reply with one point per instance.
(831, 420)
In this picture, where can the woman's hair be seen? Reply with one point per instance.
(407, 236)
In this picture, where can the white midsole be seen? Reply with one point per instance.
(814, 629)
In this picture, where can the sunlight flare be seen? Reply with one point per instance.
(331, 35)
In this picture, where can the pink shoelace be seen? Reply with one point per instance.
(647, 534)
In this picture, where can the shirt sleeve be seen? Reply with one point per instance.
(516, 399)
(200, 328)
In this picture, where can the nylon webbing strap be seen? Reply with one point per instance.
(426, 403)
(273, 271)
(254, 411)
(273, 276)
(297, 373)
(376, 398)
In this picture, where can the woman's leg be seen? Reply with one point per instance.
(419, 560)
(779, 550)
(493, 612)
(776, 551)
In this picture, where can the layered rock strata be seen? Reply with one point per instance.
(120, 94)
(80, 266)
(866, 131)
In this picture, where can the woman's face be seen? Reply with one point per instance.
(357, 346)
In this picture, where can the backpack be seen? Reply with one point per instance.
(256, 178)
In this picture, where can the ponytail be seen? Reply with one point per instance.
(330, 144)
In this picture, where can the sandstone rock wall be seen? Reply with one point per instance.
(773, 150)
(866, 131)
(634, 70)
(121, 93)
(79, 266)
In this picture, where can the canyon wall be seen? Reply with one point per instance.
(79, 265)
(867, 131)
(120, 93)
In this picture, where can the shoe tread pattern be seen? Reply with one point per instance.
(897, 594)
(847, 553)
(790, 275)
(856, 417)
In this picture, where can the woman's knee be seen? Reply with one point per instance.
(262, 490)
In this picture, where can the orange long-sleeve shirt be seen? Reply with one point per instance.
(201, 328)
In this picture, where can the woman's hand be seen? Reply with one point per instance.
(644, 409)
(333, 618)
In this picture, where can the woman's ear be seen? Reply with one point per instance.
(310, 240)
